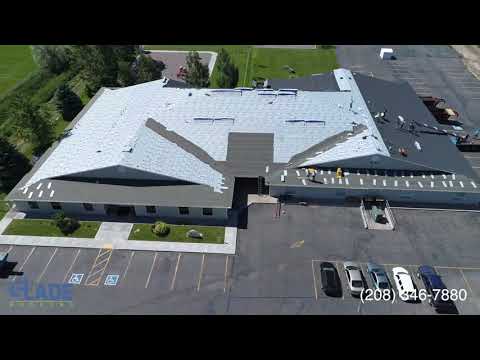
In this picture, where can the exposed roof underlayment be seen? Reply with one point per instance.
(368, 142)
(113, 131)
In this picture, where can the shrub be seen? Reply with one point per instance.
(58, 218)
(160, 228)
(66, 225)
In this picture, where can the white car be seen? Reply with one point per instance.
(403, 281)
(355, 278)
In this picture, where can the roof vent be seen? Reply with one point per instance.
(305, 122)
(417, 145)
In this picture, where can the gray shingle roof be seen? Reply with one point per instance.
(113, 133)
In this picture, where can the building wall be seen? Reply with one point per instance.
(440, 197)
(99, 209)
(68, 208)
(173, 212)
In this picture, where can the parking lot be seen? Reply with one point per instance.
(111, 281)
(474, 159)
(432, 70)
(275, 271)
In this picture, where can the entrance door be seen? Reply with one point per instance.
(120, 210)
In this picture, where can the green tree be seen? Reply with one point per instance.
(126, 53)
(31, 123)
(67, 102)
(54, 58)
(13, 165)
(197, 73)
(125, 76)
(148, 69)
(227, 71)
(97, 65)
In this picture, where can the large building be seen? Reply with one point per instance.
(160, 149)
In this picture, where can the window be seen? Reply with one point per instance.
(183, 210)
(207, 211)
(88, 207)
(357, 283)
(33, 204)
(151, 209)
(56, 206)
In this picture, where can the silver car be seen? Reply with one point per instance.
(354, 277)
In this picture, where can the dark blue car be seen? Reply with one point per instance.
(433, 282)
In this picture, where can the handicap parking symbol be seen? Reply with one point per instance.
(76, 279)
(111, 280)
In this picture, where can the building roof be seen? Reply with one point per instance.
(399, 99)
(114, 132)
(376, 180)
(316, 82)
(185, 146)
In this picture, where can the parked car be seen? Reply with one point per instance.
(354, 277)
(3, 260)
(433, 282)
(403, 281)
(331, 283)
(379, 276)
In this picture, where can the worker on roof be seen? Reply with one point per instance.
(339, 173)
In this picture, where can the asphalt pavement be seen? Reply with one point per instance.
(275, 270)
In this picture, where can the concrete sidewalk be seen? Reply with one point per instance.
(115, 235)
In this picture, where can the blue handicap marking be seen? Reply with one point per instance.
(75, 279)
(111, 280)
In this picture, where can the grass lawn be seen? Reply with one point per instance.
(211, 234)
(16, 63)
(266, 63)
(34, 227)
(3, 209)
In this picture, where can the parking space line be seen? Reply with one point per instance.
(9, 249)
(25, 261)
(128, 265)
(314, 280)
(71, 266)
(151, 270)
(338, 270)
(364, 272)
(46, 266)
(225, 283)
(468, 284)
(200, 274)
(172, 285)
(96, 281)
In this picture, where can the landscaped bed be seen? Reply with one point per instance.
(178, 233)
(34, 227)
